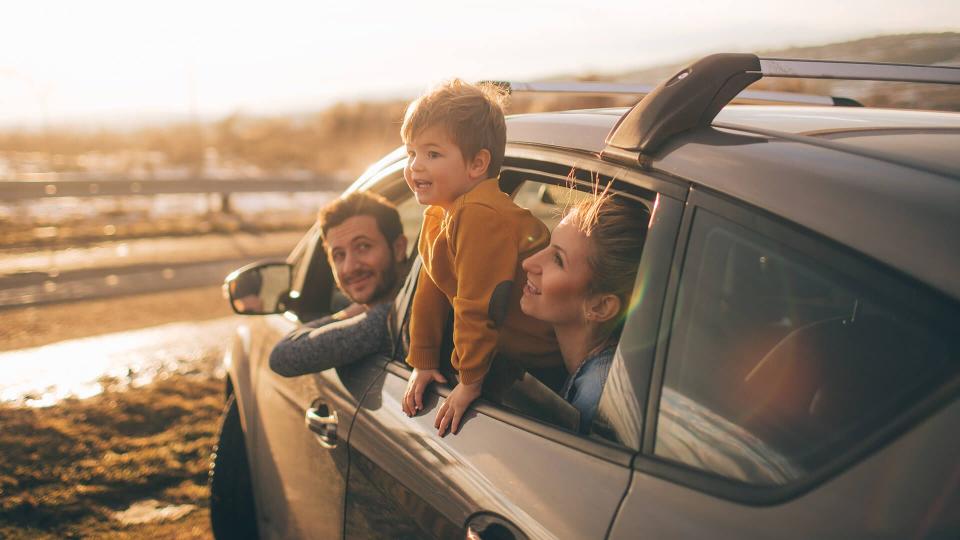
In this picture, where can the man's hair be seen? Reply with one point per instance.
(471, 114)
(362, 203)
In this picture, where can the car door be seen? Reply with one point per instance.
(796, 391)
(510, 472)
(299, 440)
(303, 422)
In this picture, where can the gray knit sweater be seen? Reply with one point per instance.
(325, 343)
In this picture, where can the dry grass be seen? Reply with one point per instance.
(66, 468)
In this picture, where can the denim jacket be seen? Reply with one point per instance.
(583, 388)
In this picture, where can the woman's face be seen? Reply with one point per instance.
(558, 277)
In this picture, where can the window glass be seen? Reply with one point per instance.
(534, 393)
(547, 201)
(776, 364)
(411, 217)
(538, 393)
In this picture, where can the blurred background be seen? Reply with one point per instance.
(148, 149)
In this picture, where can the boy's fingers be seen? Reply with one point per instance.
(455, 425)
(444, 423)
(418, 397)
(404, 405)
(439, 377)
(408, 401)
(440, 412)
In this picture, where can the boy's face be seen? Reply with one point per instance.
(436, 170)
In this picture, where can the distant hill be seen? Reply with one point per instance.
(939, 49)
(932, 49)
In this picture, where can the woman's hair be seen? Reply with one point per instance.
(616, 228)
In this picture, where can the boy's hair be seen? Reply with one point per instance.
(362, 203)
(471, 114)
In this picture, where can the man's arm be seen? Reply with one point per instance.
(327, 343)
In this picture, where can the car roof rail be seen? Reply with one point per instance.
(695, 94)
(615, 88)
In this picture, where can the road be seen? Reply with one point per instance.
(132, 266)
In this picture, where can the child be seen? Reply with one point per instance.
(472, 242)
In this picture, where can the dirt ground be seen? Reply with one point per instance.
(66, 469)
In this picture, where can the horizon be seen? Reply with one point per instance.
(110, 64)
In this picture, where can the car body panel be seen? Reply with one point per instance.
(812, 120)
(490, 466)
(301, 482)
(905, 490)
(871, 208)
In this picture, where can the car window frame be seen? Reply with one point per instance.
(551, 165)
(903, 292)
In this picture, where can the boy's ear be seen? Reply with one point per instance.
(602, 307)
(477, 167)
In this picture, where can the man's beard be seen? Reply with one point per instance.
(385, 285)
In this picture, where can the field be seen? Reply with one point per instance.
(67, 469)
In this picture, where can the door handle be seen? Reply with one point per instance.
(322, 421)
(489, 526)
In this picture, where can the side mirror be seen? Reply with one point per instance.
(259, 288)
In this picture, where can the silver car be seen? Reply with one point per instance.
(789, 368)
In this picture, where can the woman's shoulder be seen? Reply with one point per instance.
(595, 368)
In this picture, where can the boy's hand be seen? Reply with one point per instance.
(451, 412)
(420, 379)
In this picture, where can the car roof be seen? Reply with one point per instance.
(884, 182)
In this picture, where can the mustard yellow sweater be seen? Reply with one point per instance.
(471, 261)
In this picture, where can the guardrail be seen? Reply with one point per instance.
(14, 190)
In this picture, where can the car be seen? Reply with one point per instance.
(789, 367)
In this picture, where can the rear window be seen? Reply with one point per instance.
(778, 364)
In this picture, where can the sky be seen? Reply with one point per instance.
(116, 61)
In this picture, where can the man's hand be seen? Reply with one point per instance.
(451, 412)
(420, 379)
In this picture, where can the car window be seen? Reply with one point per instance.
(537, 393)
(411, 217)
(546, 201)
(777, 364)
(534, 393)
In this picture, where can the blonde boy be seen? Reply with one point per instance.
(472, 243)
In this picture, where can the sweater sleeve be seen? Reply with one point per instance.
(326, 343)
(485, 259)
(429, 312)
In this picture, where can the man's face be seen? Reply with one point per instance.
(364, 264)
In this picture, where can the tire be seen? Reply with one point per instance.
(232, 509)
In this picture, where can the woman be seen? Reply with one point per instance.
(581, 284)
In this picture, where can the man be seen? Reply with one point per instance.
(364, 242)
(363, 238)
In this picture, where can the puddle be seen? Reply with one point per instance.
(42, 376)
(152, 510)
